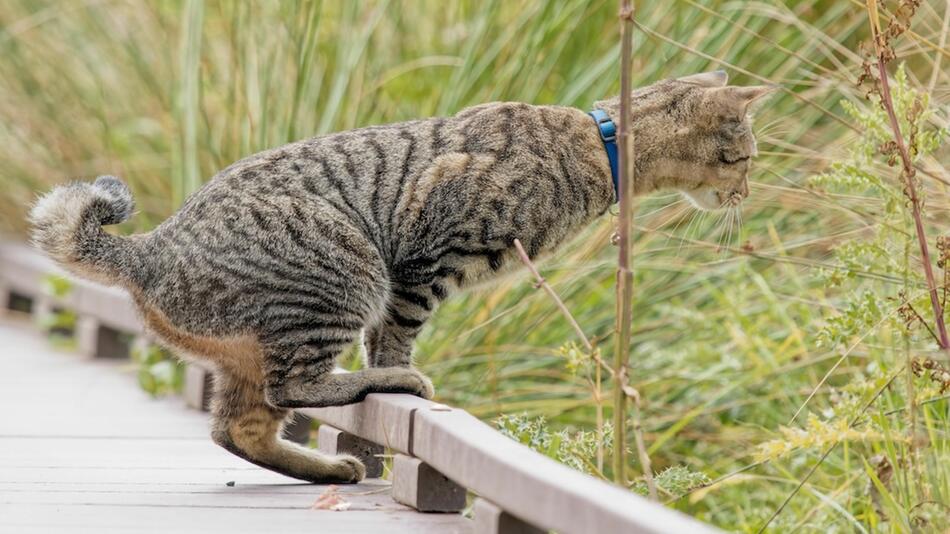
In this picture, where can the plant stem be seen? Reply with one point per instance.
(599, 406)
(624, 272)
(188, 175)
(908, 359)
(591, 350)
(907, 173)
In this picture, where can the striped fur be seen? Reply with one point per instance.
(284, 258)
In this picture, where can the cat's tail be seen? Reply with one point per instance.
(67, 225)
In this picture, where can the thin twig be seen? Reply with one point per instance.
(923, 322)
(908, 172)
(541, 283)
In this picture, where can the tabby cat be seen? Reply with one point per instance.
(286, 257)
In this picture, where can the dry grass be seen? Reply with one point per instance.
(727, 318)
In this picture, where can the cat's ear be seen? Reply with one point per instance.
(747, 99)
(744, 99)
(716, 78)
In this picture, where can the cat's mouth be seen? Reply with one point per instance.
(710, 199)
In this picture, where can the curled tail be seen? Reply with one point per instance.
(67, 225)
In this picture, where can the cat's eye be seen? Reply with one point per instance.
(732, 128)
(731, 160)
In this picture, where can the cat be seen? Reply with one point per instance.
(286, 257)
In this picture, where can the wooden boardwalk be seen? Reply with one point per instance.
(83, 449)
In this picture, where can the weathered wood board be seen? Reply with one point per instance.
(83, 449)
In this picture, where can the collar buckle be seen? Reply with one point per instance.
(607, 127)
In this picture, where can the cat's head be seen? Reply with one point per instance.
(694, 135)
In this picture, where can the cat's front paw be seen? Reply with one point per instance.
(413, 382)
(426, 390)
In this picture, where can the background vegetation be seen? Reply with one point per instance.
(770, 355)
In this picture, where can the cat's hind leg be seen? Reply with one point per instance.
(247, 426)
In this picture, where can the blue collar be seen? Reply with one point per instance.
(608, 134)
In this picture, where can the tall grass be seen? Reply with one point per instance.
(726, 330)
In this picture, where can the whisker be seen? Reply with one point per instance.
(678, 223)
(699, 226)
(722, 233)
(661, 208)
(685, 236)
(724, 219)
(720, 230)
(732, 226)
(739, 230)
(677, 215)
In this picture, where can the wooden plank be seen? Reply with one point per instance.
(186, 520)
(118, 475)
(532, 487)
(111, 305)
(23, 269)
(385, 419)
(200, 453)
(64, 395)
(91, 452)
(372, 496)
(528, 485)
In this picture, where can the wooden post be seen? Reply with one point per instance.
(197, 387)
(298, 429)
(331, 440)
(42, 308)
(87, 336)
(490, 519)
(420, 486)
(14, 301)
(6, 297)
(95, 340)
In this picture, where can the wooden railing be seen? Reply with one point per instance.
(439, 453)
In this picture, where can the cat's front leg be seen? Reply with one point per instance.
(389, 342)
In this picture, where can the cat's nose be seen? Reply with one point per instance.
(744, 189)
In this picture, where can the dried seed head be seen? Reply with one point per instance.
(943, 246)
